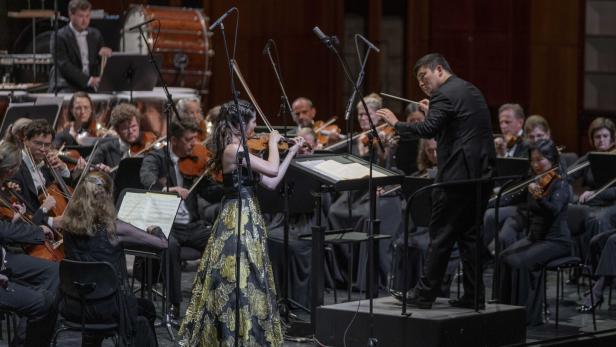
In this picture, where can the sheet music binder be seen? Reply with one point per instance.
(127, 191)
(306, 165)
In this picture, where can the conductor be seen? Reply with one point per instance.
(457, 116)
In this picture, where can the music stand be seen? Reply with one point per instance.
(512, 166)
(603, 167)
(311, 167)
(49, 112)
(125, 71)
(125, 177)
(406, 153)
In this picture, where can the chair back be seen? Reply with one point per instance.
(87, 281)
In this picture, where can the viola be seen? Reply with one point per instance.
(545, 180)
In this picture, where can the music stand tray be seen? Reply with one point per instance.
(125, 71)
(603, 167)
(311, 166)
(49, 112)
(512, 166)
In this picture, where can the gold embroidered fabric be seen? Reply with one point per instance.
(210, 317)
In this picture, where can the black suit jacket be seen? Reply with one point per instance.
(459, 120)
(108, 152)
(70, 76)
(28, 190)
(154, 171)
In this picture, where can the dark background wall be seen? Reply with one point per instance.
(524, 51)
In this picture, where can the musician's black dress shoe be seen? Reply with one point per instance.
(413, 299)
(465, 302)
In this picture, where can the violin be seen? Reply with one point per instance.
(325, 130)
(202, 135)
(146, 139)
(258, 144)
(385, 133)
(510, 140)
(543, 181)
(194, 165)
(70, 158)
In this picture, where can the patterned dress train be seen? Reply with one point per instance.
(210, 317)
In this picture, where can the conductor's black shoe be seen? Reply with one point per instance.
(463, 302)
(413, 299)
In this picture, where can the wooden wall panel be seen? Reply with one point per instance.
(309, 69)
(554, 71)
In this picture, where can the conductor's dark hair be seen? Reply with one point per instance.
(431, 61)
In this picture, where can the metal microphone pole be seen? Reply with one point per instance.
(168, 107)
(240, 156)
(374, 224)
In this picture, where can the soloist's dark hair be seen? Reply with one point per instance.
(228, 125)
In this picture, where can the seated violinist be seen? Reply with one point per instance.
(81, 128)
(388, 138)
(189, 229)
(547, 235)
(304, 112)
(191, 107)
(15, 132)
(310, 139)
(35, 173)
(28, 285)
(125, 120)
(511, 142)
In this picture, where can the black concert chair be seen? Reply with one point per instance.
(85, 283)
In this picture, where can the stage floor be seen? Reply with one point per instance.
(571, 322)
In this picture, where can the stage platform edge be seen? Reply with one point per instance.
(442, 326)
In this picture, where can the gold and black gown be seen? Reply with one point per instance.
(210, 317)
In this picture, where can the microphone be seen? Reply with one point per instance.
(221, 18)
(327, 40)
(141, 24)
(370, 44)
(267, 47)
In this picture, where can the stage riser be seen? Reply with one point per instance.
(495, 327)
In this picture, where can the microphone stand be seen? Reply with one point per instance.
(55, 48)
(240, 156)
(169, 106)
(372, 222)
(285, 107)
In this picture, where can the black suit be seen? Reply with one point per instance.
(29, 192)
(33, 285)
(194, 234)
(71, 77)
(459, 120)
(108, 153)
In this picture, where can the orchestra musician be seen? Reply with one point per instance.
(459, 119)
(79, 52)
(304, 112)
(413, 114)
(511, 121)
(191, 107)
(82, 127)
(33, 177)
(388, 138)
(125, 120)
(15, 132)
(28, 285)
(548, 236)
(189, 228)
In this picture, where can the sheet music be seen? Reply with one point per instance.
(145, 209)
(340, 171)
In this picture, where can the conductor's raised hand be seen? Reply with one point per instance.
(424, 105)
(387, 116)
